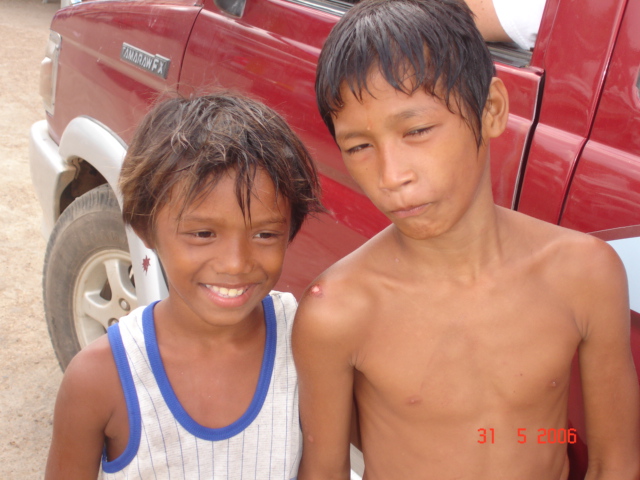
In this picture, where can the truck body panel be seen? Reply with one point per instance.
(95, 81)
(605, 192)
(575, 60)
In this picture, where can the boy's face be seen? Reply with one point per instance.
(220, 265)
(417, 161)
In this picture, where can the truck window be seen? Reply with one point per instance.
(510, 54)
(232, 7)
(336, 7)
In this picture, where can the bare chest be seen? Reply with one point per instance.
(458, 353)
(215, 391)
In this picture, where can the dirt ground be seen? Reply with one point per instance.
(30, 374)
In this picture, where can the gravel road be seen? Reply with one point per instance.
(30, 374)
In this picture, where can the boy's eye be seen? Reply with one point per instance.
(203, 234)
(417, 132)
(357, 148)
(267, 235)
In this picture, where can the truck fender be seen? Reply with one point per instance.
(90, 140)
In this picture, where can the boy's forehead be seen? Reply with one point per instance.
(259, 197)
(379, 101)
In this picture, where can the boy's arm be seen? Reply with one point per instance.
(82, 411)
(487, 20)
(609, 381)
(322, 347)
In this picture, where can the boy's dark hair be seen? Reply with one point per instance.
(194, 141)
(428, 44)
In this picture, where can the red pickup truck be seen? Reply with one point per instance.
(570, 156)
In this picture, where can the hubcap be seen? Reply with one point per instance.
(103, 293)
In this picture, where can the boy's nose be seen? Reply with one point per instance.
(234, 258)
(394, 171)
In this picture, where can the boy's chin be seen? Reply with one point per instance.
(416, 230)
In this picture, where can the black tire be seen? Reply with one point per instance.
(87, 281)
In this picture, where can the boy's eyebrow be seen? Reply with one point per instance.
(268, 221)
(409, 114)
(347, 136)
(279, 219)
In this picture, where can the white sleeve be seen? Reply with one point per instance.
(520, 19)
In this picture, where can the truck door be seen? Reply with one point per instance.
(575, 47)
(605, 191)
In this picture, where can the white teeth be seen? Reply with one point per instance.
(227, 292)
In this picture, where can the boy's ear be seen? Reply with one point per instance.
(496, 110)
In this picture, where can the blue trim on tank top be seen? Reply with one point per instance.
(176, 408)
(131, 400)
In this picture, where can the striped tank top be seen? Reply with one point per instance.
(166, 443)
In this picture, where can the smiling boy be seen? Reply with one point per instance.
(201, 384)
(455, 327)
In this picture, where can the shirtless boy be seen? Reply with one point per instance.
(201, 384)
(461, 318)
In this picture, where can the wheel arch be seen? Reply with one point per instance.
(96, 154)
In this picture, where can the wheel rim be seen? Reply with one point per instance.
(104, 292)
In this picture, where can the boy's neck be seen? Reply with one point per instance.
(473, 247)
(172, 321)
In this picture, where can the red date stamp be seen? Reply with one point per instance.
(543, 435)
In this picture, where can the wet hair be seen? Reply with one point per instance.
(414, 44)
(183, 146)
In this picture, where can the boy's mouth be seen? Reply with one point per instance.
(227, 292)
(410, 211)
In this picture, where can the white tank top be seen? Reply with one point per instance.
(166, 443)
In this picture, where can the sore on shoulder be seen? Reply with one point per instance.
(315, 290)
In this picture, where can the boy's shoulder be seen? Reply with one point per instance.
(92, 378)
(340, 301)
(93, 366)
(583, 269)
(558, 246)
(91, 382)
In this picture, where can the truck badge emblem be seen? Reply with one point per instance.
(156, 64)
(146, 261)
